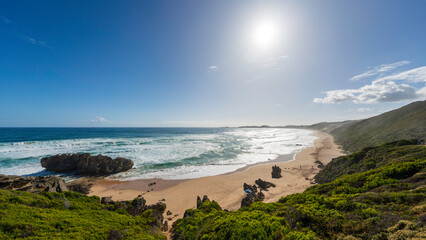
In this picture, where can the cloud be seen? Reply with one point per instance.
(365, 109)
(392, 88)
(213, 68)
(99, 119)
(413, 75)
(19, 32)
(5, 20)
(379, 70)
(33, 41)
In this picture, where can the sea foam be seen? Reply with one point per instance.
(189, 154)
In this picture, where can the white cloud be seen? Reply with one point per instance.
(5, 20)
(383, 89)
(379, 70)
(213, 68)
(413, 75)
(18, 32)
(34, 41)
(365, 109)
(99, 119)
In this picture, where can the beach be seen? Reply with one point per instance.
(226, 189)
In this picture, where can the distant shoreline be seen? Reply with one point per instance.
(226, 189)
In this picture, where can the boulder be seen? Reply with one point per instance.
(137, 207)
(159, 207)
(264, 184)
(251, 198)
(200, 202)
(165, 226)
(86, 164)
(81, 185)
(252, 188)
(33, 184)
(107, 200)
(276, 172)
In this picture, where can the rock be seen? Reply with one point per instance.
(252, 188)
(320, 164)
(82, 186)
(158, 220)
(166, 226)
(107, 200)
(86, 164)
(114, 235)
(33, 184)
(138, 206)
(159, 207)
(251, 198)
(151, 184)
(169, 213)
(264, 184)
(276, 172)
(200, 202)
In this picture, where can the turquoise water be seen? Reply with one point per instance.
(169, 153)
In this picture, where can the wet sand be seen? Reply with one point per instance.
(226, 189)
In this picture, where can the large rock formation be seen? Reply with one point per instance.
(264, 184)
(276, 172)
(251, 198)
(86, 164)
(33, 184)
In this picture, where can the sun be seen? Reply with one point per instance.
(264, 34)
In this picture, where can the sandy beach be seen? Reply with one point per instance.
(226, 189)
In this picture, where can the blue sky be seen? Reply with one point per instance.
(207, 63)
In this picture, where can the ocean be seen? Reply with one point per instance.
(168, 153)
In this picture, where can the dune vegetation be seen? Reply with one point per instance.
(382, 196)
(70, 215)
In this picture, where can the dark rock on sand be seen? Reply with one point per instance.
(86, 164)
(169, 212)
(107, 200)
(33, 184)
(276, 172)
(165, 226)
(320, 164)
(159, 207)
(82, 185)
(264, 184)
(252, 188)
(251, 198)
(138, 206)
(200, 202)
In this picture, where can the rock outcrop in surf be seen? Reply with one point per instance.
(86, 164)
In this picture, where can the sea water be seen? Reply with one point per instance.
(168, 153)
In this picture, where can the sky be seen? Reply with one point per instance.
(207, 63)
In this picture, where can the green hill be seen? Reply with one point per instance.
(70, 215)
(368, 158)
(385, 201)
(407, 122)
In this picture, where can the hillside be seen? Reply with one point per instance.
(407, 122)
(368, 158)
(385, 202)
(70, 215)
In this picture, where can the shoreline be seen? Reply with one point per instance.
(226, 189)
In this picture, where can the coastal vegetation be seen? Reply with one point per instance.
(70, 215)
(407, 122)
(381, 200)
